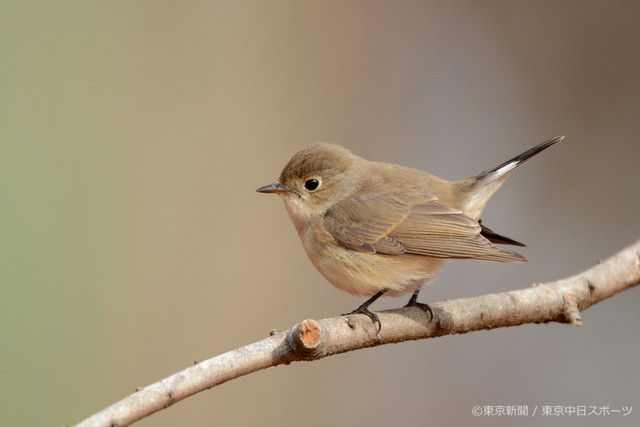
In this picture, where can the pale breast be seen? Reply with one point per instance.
(362, 273)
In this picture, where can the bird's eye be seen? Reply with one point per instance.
(312, 184)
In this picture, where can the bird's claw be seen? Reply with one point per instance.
(371, 315)
(424, 307)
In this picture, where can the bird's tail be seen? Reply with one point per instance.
(485, 184)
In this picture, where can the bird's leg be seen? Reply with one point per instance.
(364, 308)
(413, 302)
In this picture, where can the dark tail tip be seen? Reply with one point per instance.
(494, 237)
(524, 156)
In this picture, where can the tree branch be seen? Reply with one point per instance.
(558, 301)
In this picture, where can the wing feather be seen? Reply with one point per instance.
(394, 225)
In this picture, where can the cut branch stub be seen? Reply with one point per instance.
(305, 339)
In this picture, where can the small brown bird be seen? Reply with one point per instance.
(375, 228)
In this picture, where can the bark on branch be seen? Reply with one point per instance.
(558, 301)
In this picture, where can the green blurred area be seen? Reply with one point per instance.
(132, 137)
(61, 232)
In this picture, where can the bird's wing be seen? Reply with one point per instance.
(394, 225)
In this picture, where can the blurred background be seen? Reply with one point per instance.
(133, 137)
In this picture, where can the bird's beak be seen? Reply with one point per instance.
(272, 188)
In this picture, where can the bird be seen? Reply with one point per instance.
(374, 229)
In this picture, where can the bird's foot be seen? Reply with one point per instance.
(365, 310)
(424, 307)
